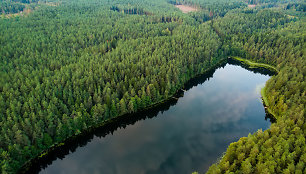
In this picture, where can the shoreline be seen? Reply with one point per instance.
(56, 147)
(266, 103)
(269, 112)
(44, 155)
(254, 65)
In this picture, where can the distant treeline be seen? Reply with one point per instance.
(66, 68)
(14, 6)
(10, 7)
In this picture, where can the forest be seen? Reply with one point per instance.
(70, 65)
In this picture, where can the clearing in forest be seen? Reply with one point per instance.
(251, 5)
(186, 9)
(25, 12)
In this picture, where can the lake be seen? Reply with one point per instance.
(189, 134)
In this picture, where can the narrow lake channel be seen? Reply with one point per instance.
(189, 136)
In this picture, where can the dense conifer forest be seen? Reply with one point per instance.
(71, 64)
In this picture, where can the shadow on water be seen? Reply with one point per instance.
(71, 144)
(269, 116)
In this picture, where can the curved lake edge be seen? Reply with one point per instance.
(258, 67)
(254, 65)
(109, 126)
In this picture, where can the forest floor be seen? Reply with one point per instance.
(186, 9)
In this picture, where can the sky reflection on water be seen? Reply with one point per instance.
(189, 137)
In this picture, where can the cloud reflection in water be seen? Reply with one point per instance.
(190, 136)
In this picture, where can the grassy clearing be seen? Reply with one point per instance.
(186, 9)
(251, 5)
(254, 64)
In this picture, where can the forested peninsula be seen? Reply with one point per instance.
(67, 66)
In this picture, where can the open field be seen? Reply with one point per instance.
(186, 9)
(251, 5)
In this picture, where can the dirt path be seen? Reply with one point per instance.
(186, 9)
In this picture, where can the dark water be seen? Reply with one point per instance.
(189, 136)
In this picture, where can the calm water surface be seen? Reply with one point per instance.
(188, 137)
